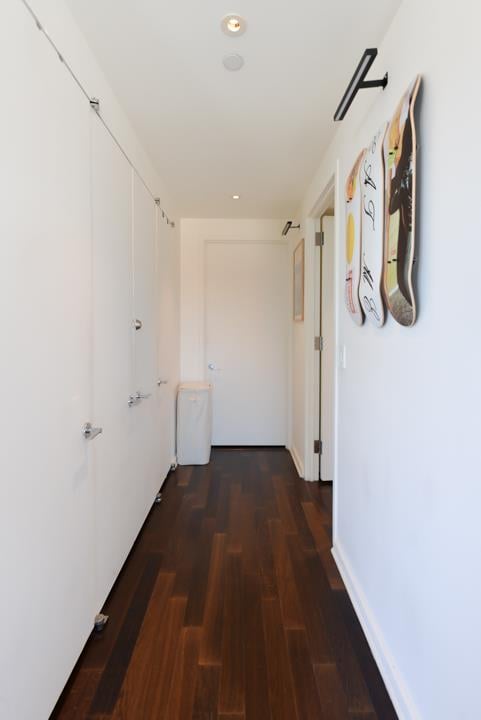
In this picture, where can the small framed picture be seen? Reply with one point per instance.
(299, 282)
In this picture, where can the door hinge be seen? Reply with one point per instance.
(319, 343)
(317, 447)
(319, 239)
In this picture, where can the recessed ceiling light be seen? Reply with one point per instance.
(233, 24)
(233, 62)
(236, 197)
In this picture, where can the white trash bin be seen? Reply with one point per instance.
(194, 423)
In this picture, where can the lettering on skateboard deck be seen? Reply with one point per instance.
(372, 229)
(353, 241)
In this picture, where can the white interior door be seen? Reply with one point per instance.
(116, 522)
(168, 352)
(328, 351)
(46, 488)
(147, 430)
(246, 341)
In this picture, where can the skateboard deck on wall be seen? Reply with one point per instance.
(353, 241)
(400, 168)
(372, 230)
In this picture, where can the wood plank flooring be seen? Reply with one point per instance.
(230, 607)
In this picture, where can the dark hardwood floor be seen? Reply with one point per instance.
(230, 607)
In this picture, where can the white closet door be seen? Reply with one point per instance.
(46, 489)
(117, 515)
(167, 288)
(147, 431)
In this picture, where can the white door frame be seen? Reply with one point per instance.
(312, 319)
(327, 354)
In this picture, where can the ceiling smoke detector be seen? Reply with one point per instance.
(233, 62)
(233, 24)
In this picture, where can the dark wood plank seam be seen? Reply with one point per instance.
(113, 676)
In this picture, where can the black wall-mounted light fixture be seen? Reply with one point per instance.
(358, 83)
(289, 226)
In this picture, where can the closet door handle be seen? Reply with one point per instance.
(90, 432)
(138, 324)
(162, 382)
(141, 396)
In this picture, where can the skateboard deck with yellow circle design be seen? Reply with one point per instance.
(353, 199)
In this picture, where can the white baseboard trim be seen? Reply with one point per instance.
(297, 461)
(398, 692)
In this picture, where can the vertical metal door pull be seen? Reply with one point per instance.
(90, 432)
(141, 396)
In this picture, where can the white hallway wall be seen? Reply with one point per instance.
(61, 26)
(48, 524)
(407, 491)
(57, 19)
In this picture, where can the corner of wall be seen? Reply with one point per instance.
(395, 685)
(297, 461)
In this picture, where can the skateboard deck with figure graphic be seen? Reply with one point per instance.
(372, 230)
(400, 168)
(353, 241)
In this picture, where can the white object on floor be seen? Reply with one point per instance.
(194, 423)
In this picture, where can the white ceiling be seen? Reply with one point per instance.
(260, 132)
